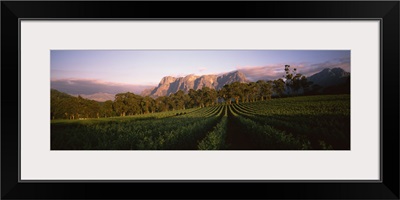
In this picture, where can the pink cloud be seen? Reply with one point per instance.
(268, 72)
(92, 86)
(275, 71)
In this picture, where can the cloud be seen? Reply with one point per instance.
(269, 72)
(343, 63)
(275, 71)
(90, 87)
(202, 69)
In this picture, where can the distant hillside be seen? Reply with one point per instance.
(330, 77)
(331, 81)
(65, 106)
(100, 97)
(169, 85)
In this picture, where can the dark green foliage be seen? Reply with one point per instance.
(279, 87)
(295, 123)
(146, 132)
(266, 137)
(64, 106)
(323, 120)
(215, 140)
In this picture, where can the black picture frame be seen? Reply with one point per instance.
(386, 11)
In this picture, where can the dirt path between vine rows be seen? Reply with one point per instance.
(236, 137)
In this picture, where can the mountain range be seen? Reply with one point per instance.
(325, 79)
(169, 85)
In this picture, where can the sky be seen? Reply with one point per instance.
(112, 71)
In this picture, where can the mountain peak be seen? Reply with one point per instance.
(167, 80)
(330, 76)
(236, 72)
(326, 70)
(338, 70)
(240, 74)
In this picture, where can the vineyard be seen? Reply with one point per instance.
(295, 123)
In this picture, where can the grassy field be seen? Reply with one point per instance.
(295, 123)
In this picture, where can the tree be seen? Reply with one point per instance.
(289, 77)
(187, 101)
(107, 109)
(305, 84)
(170, 102)
(244, 92)
(147, 104)
(253, 89)
(295, 81)
(213, 96)
(197, 97)
(93, 109)
(133, 103)
(209, 96)
(71, 107)
(64, 106)
(235, 91)
(279, 87)
(120, 104)
(161, 104)
(177, 101)
(223, 93)
(264, 89)
(58, 104)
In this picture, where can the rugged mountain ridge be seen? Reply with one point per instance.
(329, 77)
(169, 84)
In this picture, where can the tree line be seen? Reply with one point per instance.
(64, 106)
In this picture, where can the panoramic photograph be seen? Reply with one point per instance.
(200, 99)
